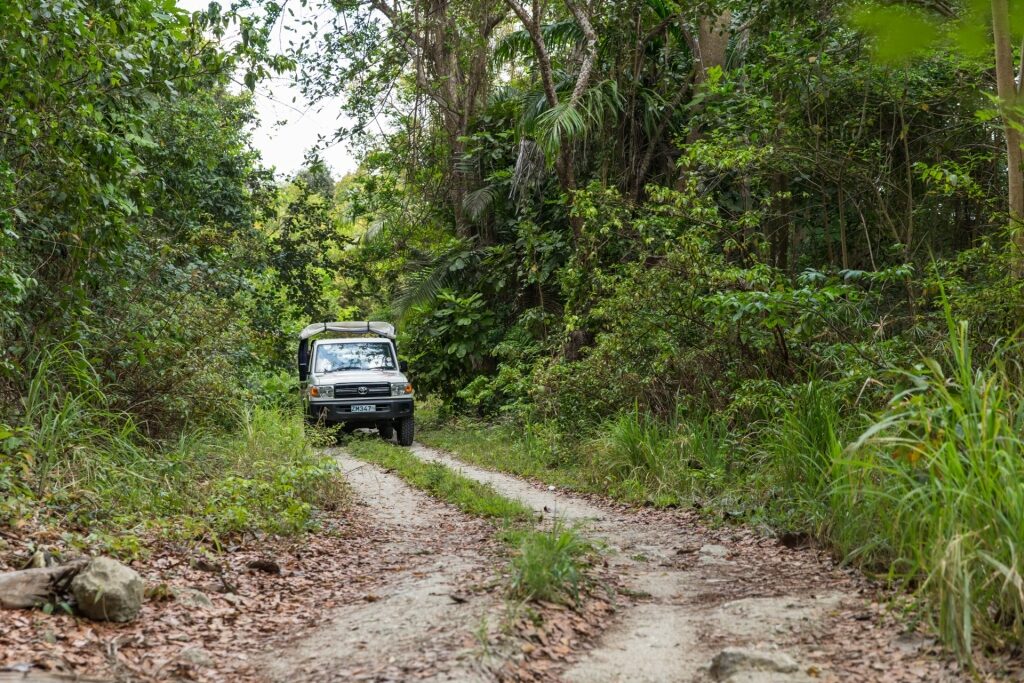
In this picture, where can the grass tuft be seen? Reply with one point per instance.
(550, 565)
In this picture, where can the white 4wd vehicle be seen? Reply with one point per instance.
(356, 379)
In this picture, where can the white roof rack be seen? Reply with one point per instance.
(376, 328)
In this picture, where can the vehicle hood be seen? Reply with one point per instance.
(359, 377)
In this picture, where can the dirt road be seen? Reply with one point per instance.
(402, 587)
(421, 625)
(699, 605)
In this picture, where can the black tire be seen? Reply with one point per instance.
(406, 431)
(386, 430)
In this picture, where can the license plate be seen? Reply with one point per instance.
(364, 408)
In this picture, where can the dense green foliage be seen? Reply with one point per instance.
(690, 253)
(138, 242)
(753, 256)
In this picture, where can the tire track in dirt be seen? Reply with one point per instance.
(703, 591)
(414, 628)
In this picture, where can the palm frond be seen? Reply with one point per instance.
(477, 202)
(515, 45)
(559, 125)
(374, 231)
(562, 34)
(603, 102)
(534, 104)
(564, 123)
(430, 278)
(653, 104)
(503, 96)
(518, 45)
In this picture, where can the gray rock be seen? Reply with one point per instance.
(190, 597)
(196, 656)
(713, 554)
(737, 661)
(768, 677)
(713, 550)
(106, 590)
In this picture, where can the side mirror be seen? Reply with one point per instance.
(303, 360)
(403, 366)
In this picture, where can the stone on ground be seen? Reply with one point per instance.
(735, 663)
(190, 597)
(197, 657)
(106, 590)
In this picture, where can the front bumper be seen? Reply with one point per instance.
(341, 411)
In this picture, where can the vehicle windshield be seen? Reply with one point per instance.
(354, 356)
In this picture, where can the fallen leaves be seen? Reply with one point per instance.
(257, 604)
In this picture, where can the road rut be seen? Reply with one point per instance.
(420, 624)
(702, 592)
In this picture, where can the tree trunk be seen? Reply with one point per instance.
(1009, 94)
(32, 587)
(709, 51)
(531, 20)
(710, 45)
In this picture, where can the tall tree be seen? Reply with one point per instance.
(1008, 85)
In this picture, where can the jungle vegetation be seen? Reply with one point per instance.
(760, 257)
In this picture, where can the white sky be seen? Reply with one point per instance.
(286, 129)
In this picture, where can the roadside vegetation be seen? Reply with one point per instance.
(763, 259)
(924, 491)
(80, 465)
(147, 264)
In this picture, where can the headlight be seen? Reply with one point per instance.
(326, 391)
(401, 389)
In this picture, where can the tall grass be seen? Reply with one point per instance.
(94, 469)
(804, 447)
(643, 457)
(934, 491)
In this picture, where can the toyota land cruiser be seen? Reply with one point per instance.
(354, 378)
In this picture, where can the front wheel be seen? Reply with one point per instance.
(386, 430)
(406, 431)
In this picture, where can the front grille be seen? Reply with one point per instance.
(361, 390)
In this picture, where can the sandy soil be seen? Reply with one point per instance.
(421, 624)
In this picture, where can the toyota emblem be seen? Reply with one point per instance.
(362, 391)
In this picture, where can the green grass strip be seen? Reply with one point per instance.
(546, 564)
(504, 448)
(468, 495)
